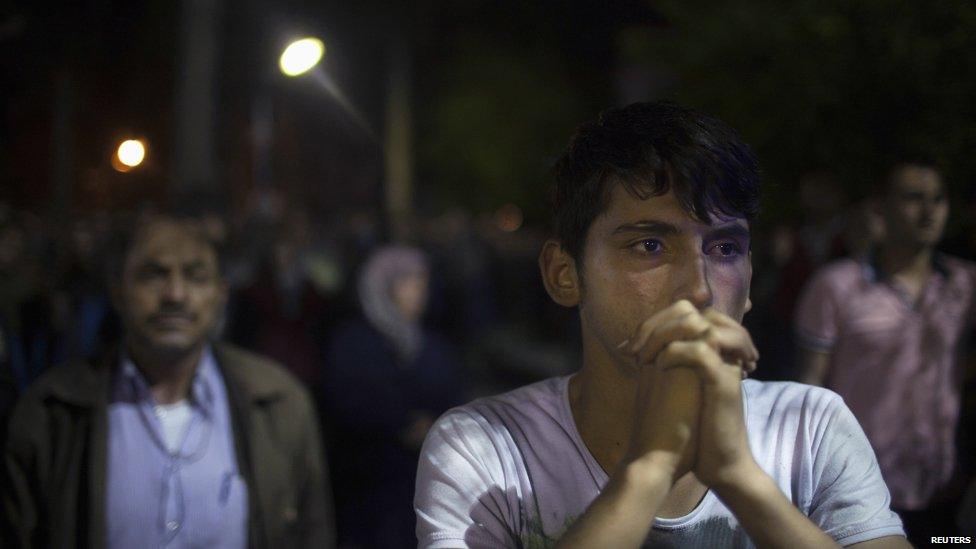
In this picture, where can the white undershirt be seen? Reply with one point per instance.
(174, 419)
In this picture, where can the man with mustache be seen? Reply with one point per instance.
(887, 332)
(657, 439)
(175, 439)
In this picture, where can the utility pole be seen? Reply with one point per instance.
(399, 142)
(195, 151)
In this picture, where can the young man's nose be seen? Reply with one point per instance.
(693, 284)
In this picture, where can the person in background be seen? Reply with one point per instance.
(282, 313)
(814, 240)
(387, 378)
(886, 332)
(657, 440)
(30, 318)
(173, 438)
(89, 322)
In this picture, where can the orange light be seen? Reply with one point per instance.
(129, 154)
(509, 218)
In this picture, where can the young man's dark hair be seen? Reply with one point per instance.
(651, 148)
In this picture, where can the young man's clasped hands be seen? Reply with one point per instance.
(689, 434)
(692, 363)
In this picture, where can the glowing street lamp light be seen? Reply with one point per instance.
(131, 152)
(128, 155)
(301, 56)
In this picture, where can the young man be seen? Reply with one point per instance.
(886, 333)
(173, 440)
(656, 439)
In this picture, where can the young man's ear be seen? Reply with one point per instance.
(559, 274)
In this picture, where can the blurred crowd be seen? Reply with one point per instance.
(293, 280)
(388, 336)
(384, 337)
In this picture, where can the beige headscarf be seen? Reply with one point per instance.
(381, 271)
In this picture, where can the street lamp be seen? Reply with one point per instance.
(301, 56)
(129, 154)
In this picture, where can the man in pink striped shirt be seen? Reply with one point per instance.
(886, 334)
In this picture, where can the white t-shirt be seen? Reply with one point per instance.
(512, 471)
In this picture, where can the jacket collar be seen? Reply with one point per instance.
(246, 373)
(85, 384)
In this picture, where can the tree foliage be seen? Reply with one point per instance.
(846, 86)
(497, 120)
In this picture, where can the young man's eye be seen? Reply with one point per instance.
(727, 249)
(648, 245)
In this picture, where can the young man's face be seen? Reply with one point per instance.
(916, 208)
(171, 292)
(641, 256)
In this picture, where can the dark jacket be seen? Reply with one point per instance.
(52, 479)
(372, 397)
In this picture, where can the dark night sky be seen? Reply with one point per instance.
(495, 88)
(119, 61)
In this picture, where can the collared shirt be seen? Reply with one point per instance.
(188, 494)
(896, 363)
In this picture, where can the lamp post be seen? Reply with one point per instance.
(303, 55)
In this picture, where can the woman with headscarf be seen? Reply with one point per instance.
(386, 380)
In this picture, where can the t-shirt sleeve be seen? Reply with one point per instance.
(850, 500)
(816, 317)
(461, 499)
